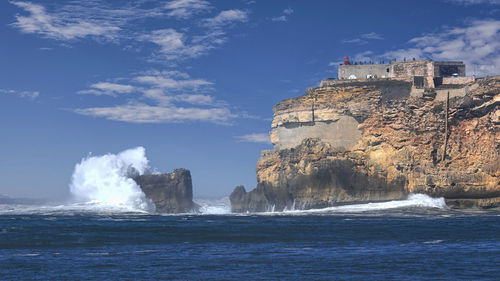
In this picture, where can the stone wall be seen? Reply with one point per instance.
(407, 70)
(364, 71)
(458, 80)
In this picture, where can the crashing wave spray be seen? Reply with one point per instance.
(414, 200)
(106, 180)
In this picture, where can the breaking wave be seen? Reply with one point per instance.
(414, 200)
(106, 181)
(214, 207)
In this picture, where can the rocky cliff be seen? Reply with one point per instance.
(171, 193)
(376, 140)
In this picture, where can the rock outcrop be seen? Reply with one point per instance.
(171, 192)
(379, 140)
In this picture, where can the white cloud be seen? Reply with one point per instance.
(172, 80)
(474, 2)
(177, 46)
(477, 44)
(172, 44)
(195, 99)
(353, 41)
(227, 17)
(101, 21)
(362, 39)
(186, 8)
(113, 87)
(280, 18)
(169, 91)
(143, 113)
(60, 26)
(32, 95)
(288, 11)
(98, 19)
(110, 89)
(257, 138)
(153, 96)
(372, 35)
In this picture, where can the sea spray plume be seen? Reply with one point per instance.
(107, 180)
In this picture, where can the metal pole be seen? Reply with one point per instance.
(446, 125)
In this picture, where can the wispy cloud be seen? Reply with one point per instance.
(195, 99)
(186, 8)
(362, 39)
(32, 95)
(372, 36)
(100, 21)
(280, 18)
(171, 97)
(474, 2)
(477, 44)
(257, 138)
(143, 113)
(288, 11)
(353, 41)
(172, 80)
(113, 88)
(176, 46)
(60, 25)
(227, 17)
(153, 96)
(285, 16)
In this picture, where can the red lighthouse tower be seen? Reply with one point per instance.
(346, 61)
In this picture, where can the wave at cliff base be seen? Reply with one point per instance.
(106, 181)
(413, 201)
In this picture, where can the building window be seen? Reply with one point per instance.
(387, 70)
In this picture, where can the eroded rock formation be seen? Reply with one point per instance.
(171, 192)
(380, 140)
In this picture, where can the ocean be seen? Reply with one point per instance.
(415, 239)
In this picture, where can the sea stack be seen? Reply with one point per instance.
(170, 192)
(405, 127)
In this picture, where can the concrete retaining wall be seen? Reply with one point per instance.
(341, 133)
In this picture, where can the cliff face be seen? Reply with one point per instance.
(171, 193)
(351, 142)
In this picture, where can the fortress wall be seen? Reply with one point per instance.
(343, 133)
(362, 71)
(458, 80)
(406, 70)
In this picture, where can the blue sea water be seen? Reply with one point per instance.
(402, 243)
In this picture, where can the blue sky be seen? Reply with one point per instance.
(194, 81)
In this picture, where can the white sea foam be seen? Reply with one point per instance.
(433, 242)
(414, 200)
(214, 207)
(106, 181)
